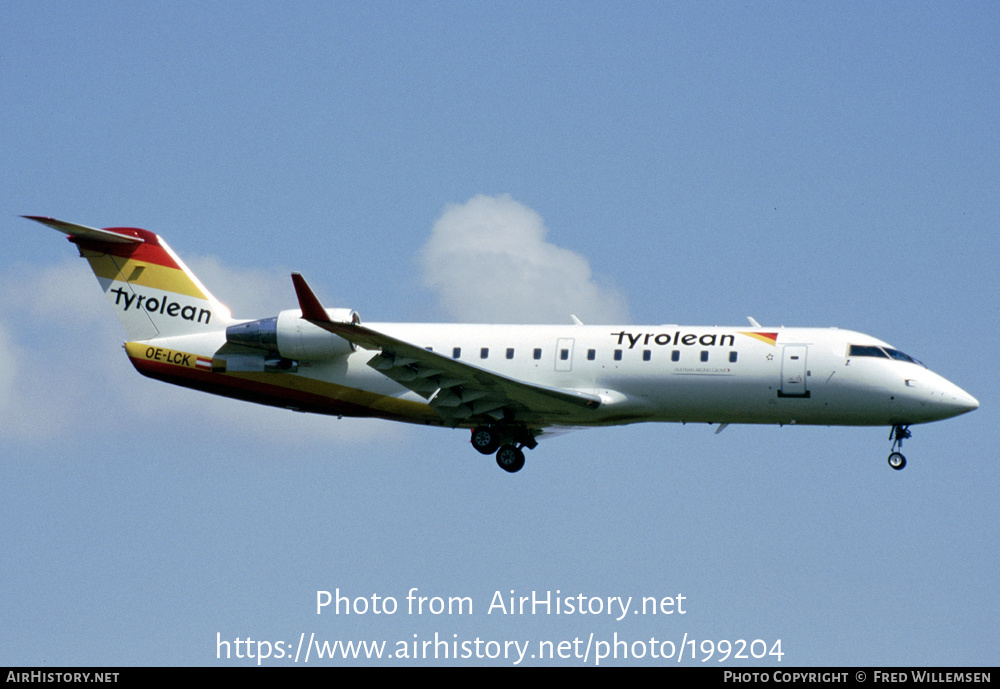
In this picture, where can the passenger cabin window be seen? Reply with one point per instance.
(704, 356)
(510, 352)
(537, 353)
(732, 357)
(675, 355)
(646, 355)
(456, 353)
(484, 352)
(618, 355)
(591, 354)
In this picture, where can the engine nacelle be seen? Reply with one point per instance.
(293, 337)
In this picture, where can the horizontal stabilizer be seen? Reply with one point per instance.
(84, 232)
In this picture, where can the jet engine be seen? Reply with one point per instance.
(293, 337)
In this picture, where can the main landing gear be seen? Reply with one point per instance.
(506, 441)
(899, 433)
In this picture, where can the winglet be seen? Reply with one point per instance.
(312, 310)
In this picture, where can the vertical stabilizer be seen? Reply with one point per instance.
(151, 290)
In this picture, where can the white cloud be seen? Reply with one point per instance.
(8, 365)
(248, 292)
(50, 325)
(488, 261)
(67, 292)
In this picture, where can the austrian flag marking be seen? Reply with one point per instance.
(769, 338)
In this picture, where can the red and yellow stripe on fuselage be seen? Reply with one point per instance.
(290, 391)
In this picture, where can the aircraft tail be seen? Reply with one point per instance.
(151, 290)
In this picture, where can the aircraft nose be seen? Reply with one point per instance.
(951, 400)
(966, 402)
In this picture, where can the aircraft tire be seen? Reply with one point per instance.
(485, 440)
(897, 461)
(510, 459)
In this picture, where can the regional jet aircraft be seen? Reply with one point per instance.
(509, 385)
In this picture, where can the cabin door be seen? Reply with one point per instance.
(793, 371)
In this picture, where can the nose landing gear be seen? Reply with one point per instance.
(899, 433)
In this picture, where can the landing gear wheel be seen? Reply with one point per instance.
(509, 458)
(899, 433)
(897, 461)
(485, 440)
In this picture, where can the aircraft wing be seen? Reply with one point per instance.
(455, 390)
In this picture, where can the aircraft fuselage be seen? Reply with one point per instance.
(664, 373)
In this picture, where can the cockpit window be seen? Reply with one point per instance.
(867, 350)
(896, 354)
(881, 353)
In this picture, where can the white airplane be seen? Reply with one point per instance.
(507, 384)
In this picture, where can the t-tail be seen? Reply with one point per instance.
(152, 292)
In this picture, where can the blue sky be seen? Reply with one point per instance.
(807, 164)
